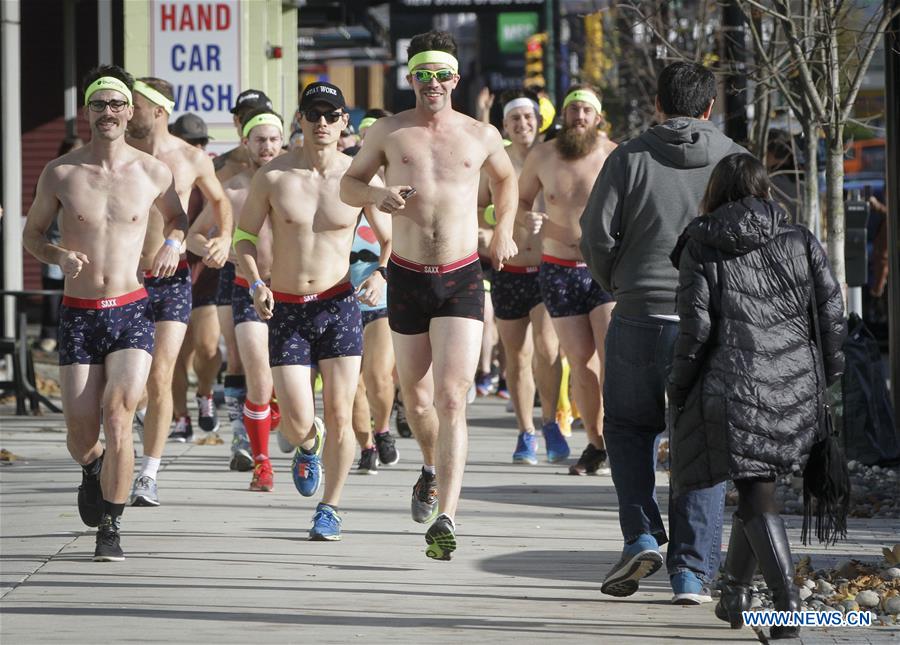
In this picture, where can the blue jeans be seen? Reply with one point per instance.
(638, 359)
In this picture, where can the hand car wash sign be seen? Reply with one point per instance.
(196, 47)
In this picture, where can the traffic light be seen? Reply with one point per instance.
(534, 60)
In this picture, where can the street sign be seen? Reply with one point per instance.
(196, 47)
(513, 29)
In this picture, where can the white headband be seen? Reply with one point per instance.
(520, 103)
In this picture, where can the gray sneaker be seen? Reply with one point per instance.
(241, 457)
(424, 505)
(144, 493)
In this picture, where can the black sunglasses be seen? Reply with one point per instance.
(313, 116)
(115, 105)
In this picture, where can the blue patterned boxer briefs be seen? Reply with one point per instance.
(371, 315)
(515, 292)
(307, 329)
(568, 289)
(242, 309)
(170, 298)
(90, 330)
(226, 285)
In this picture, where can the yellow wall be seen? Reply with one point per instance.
(262, 21)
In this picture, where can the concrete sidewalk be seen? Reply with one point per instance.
(219, 564)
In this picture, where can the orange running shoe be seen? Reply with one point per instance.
(263, 477)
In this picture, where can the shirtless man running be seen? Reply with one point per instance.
(104, 192)
(565, 169)
(170, 297)
(435, 289)
(311, 306)
(262, 136)
(230, 163)
(522, 319)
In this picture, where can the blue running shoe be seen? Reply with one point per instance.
(326, 524)
(639, 559)
(307, 469)
(557, 446)
(526, 449)
(688, 589)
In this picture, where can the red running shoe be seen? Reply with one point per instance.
(263, 477)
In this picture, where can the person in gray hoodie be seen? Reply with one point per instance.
(648, 191)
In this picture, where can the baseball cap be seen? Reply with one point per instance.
(189, 127)
(324, 92)
(249, 99)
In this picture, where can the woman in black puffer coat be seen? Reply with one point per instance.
(746, 379)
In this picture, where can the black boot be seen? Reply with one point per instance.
(740, 565)
(769, 541)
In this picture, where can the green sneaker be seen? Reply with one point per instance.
(441, 538)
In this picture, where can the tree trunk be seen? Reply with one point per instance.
(809, 198)
(834, 200)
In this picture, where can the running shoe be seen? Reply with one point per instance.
(368, 462)
(526, 449)
(639, 559)
(424, 505)
(593, 461)
(326, 525)
(441, 539)
(307, 468)
(207, 417)
(263, 477)
(688, 589)
(557, 446)
(484, 384)
(108, 548)
(183, 433)
(144, 492)
(502, 390)
(388, 454)
(400, 421)
(241, 457)
(90, 496)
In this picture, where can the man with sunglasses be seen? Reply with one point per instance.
(433, 157)
(170, 297)
(103, 193)
(311, 306)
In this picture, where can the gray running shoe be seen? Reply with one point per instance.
(241, 457)
(424, 505)
(144, 492)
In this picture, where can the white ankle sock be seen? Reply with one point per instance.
(150, 466)
(428, 469)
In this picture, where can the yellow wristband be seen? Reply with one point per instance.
(240, 234)
(490, 217)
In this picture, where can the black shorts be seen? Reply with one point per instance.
(516, 291)
(568, 289)
(226, 285)
(371, 315)
(416, 295)
(205, 286)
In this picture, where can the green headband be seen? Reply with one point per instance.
(153, 95)
(365, 123)
(263, 119)
(107, 83)
(432, 56)
(586, 96)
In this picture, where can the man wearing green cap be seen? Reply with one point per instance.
(433, 157)
(170, 298)
(103, 193)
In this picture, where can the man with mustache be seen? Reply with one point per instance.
(518, 305)
(311, 306)
(565, 169)
(103, 193)
(170, 297)
(261, 136)
(432, 158)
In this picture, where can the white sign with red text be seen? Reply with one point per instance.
(196, 47)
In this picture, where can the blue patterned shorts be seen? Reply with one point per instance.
(372, 315)
(91, 330)
(226, 285)
(569, 290)
(170, 298)
(516, 291)
(326, 325)
(242, 309)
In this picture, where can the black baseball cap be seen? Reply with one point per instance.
(251, 99)
(189, 127)
(322, 92)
